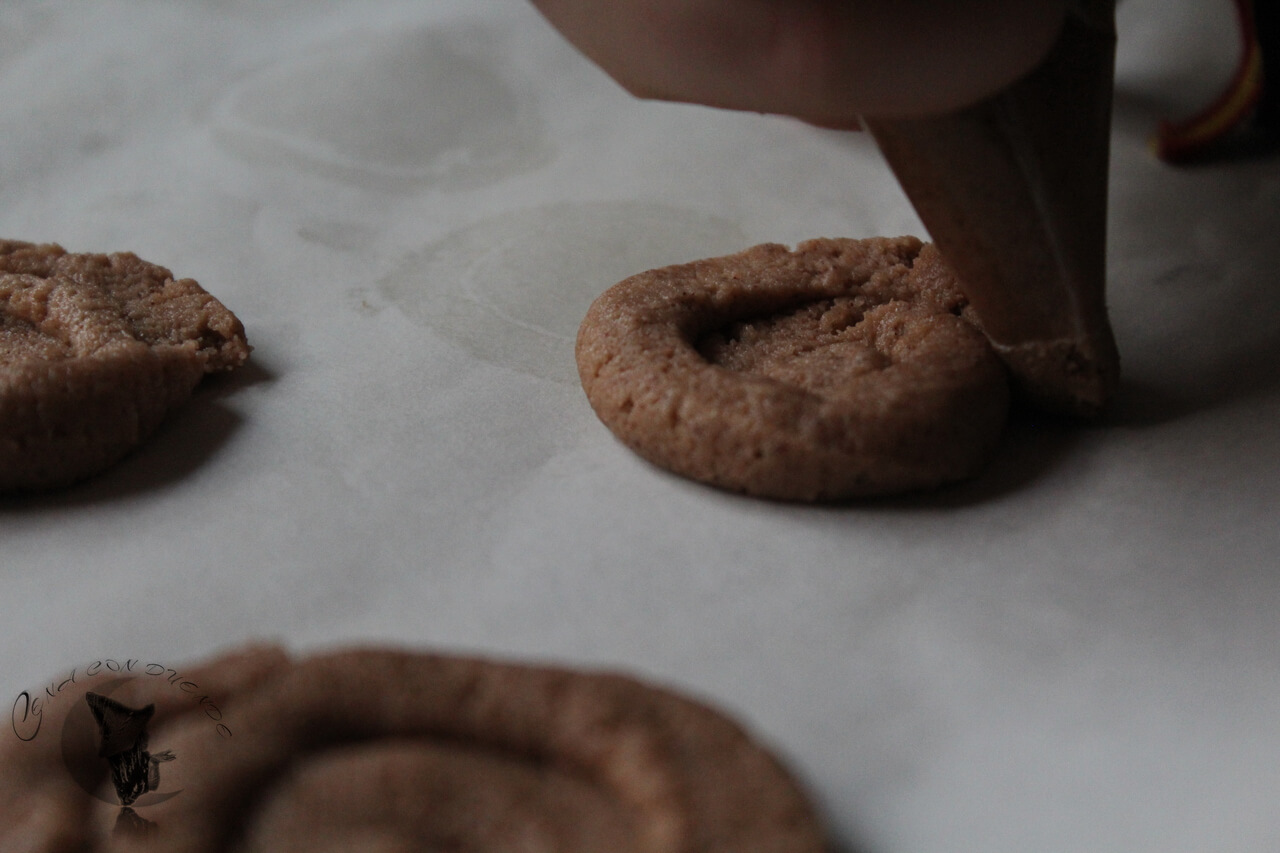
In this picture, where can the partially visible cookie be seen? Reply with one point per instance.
(385, 750)
(94, 351)
(841, 369)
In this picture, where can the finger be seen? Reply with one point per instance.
(826, 61)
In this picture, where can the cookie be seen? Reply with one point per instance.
(844, 368)
(375, 749)
(95, 350)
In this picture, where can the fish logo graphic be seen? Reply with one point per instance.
(134, 770)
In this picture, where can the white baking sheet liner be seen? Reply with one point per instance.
(410, 205)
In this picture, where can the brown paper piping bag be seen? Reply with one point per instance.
(1013, 189)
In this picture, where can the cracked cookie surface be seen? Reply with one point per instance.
(844, 368)
(95, 350)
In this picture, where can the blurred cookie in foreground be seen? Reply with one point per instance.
(95, 350)
(844, 368)
(389, 750)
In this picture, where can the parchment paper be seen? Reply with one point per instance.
(410, 205)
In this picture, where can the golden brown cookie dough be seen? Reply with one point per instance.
(388, 750)
(840, 369)
(94, 351)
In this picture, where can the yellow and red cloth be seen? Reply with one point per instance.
(1246, 102)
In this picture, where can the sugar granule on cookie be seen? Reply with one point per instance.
(95, 350)
(844, 368)
(391, 750)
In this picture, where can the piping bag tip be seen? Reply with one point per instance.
(1013, 190)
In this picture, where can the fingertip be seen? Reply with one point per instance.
(911, 59)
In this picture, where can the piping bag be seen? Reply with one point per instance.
(1013, 190)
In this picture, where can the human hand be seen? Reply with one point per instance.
(828, 62)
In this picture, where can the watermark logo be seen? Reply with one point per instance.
(104, 737)
(134, 770)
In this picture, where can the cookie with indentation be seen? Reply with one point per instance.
(94, 351)
(843, 368)
(376, 749)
